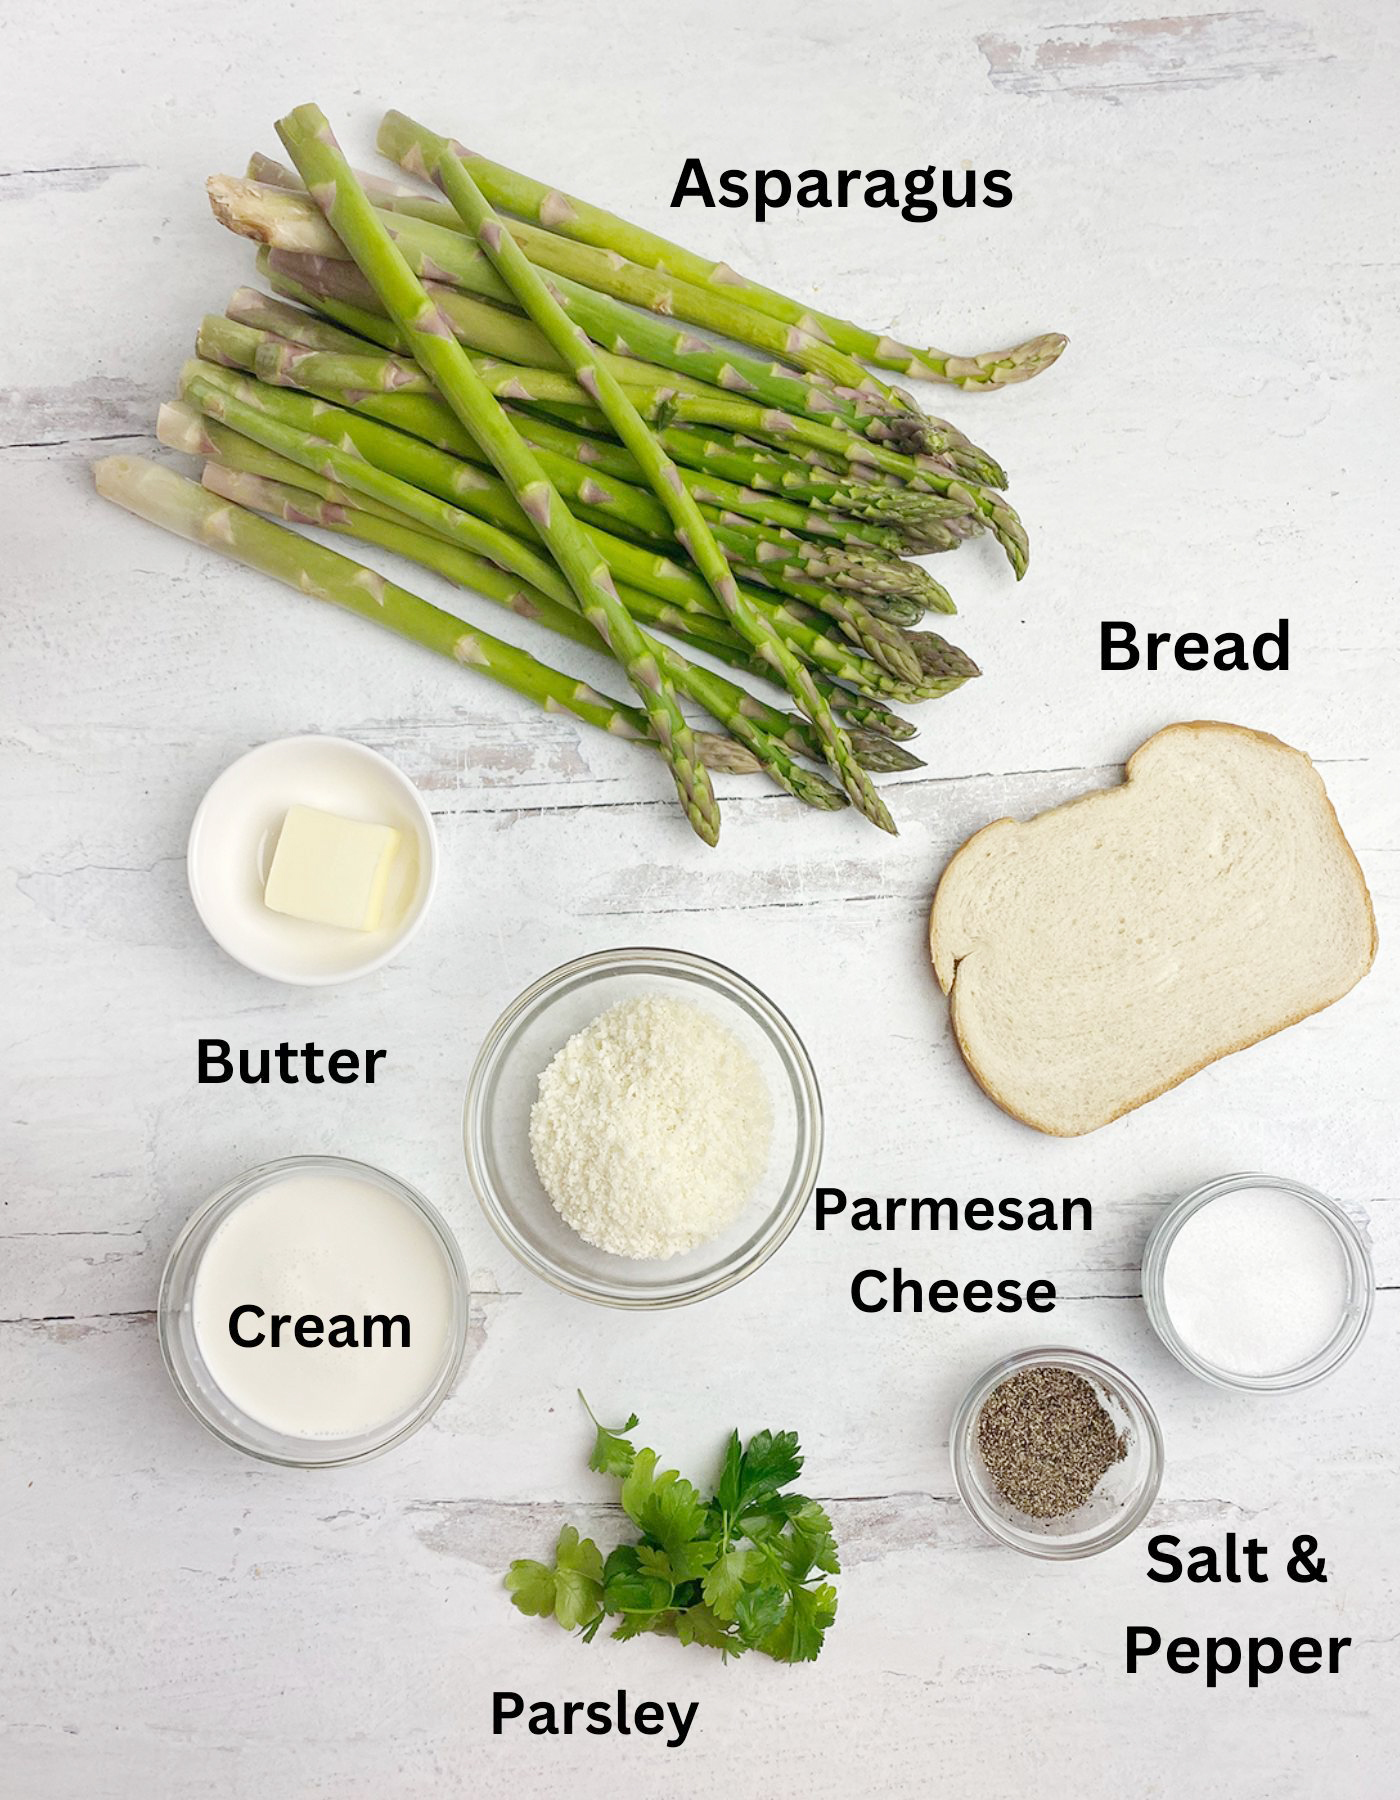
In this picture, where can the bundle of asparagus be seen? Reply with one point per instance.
(511, 403)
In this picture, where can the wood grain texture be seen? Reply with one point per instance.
(1196, 205)
(1115, 57)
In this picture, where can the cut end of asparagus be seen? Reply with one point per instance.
(234, 203)
(270, 215)
(153, 492)
(114, 476)
(179, 427)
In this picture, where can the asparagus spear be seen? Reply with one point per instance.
(721, 698)
(567, 336)
(763, 731)
(314, 281)
(920, 516)
(621, 506)
(309, 141)
(367, 382)
(717, 490)
(756, 478)
(861, 713)
(570, 217)
(381, 372)
(333, 283)
(260, 483)
(183, 507)
(605, 272)
(478, 325)
(881, 641)
(362, 384)
(257, 311)
(344, 465)
(297, 506)
(433, 490)
(289, 223)
(181, 427)
(367, 374)
(336, 289)
(899, 609)
(291, 281)
(296, 356)
(839, 566)
(779, 428)
(957, 475)
(288, 364)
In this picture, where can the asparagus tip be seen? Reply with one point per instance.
(1003, 368)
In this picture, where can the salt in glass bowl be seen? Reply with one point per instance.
(1119, 1503)
(504, 1085)
(1351, 1323)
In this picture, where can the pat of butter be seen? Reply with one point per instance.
(330, 870)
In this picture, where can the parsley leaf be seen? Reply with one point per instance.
(724, 1582)
(812, 1523)
(634, 1581)
(737, 1572)
(698, 1625)
(753, 1476)
(798, 1636)
(669, 1511)
(531, 1587)
(572, 1590)
(612, 1453)
(633, 1625)
(578, 1579)
(760, 1613)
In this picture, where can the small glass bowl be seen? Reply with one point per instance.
(1351, 1326)
(504, 1084)
(1123, 1497)
(196, 1386)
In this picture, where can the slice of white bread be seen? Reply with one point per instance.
(1100, 953)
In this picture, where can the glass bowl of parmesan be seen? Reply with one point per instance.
(643, 1128)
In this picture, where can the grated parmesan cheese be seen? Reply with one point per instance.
(651, 1129)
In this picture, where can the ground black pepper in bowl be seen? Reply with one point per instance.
(1046, 1441)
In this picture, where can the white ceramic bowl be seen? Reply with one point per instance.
(235, 833)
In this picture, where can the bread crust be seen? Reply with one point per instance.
(945, 965)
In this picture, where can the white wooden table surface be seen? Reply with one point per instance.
(1202, 202)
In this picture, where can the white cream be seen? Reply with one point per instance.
(360, 1269)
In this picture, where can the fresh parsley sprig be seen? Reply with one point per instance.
(741, 1571)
